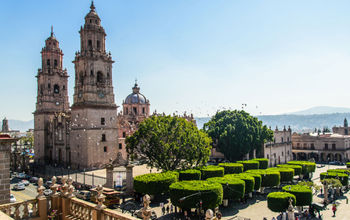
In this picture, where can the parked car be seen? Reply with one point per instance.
(83, 194)
(34, 179)
(19, 186)
(25, 182)
(47, 192)
(15, 180)
(12, 198)
(48, 184)
(21, 175)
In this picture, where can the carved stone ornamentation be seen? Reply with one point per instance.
(146, 210)
(40, 189)
(100, 198)
(71, 188)
(64, 188)
(54, 186)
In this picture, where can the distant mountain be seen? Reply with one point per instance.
(321, 110)
(19, 125)
(298, 123)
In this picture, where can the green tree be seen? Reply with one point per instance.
(169, 143)
(236, 133)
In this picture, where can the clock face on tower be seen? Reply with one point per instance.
(101, 94)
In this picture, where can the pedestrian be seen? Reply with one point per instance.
(167, 209)
(321, 191)
(171, 208)
(334, 209)
(163, 210)
(273, 218)
(264, 218)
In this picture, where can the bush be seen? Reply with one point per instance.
(307, 166)
(279, 201)
(154, 183)
(233, 187)
(344, 178)
(286, 174)
(257, 180)
(212, 171)
(269, 178)
(303, 194)
(189, 175)
(249, 164)
(297, 168)
(231, 168)
(348, 165)
(185, 194)
(346, 171)
(263, 162)
(249, 181)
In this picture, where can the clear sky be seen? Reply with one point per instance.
(190, 55)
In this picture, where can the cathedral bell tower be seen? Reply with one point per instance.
(52, 95)
(94, 127)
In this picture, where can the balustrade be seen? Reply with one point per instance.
(21, 210)
(81, 209)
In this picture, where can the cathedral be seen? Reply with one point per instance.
(90, 132)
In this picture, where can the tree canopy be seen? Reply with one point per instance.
(236, 133)
(169, 143)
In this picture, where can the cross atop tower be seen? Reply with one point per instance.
(92, 6)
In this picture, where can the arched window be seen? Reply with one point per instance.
(90, 44)
(56, 89)
(91, 72)
(48, 62)
(55, 63)
(100, 77)
(98, 44)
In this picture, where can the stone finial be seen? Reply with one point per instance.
(64, 186)
(100, 197)
(70, 188)
(54, 186)
(209, 214)
(40, 189)
(146, 210)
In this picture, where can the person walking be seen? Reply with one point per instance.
(334, 209)
(171, 208)
(167, 209)
(163, 210)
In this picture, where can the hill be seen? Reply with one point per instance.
(321, 110)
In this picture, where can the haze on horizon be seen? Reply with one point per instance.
(194, 56)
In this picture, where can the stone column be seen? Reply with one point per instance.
(42, 203)
(325, 193)
(109, 176)
(129, 179)
(55, 199)
(5, 153)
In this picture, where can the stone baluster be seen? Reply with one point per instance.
(55, 199)
(25, 210)
(67, 194)
(17, 216)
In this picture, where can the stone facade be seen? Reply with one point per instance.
(323, 147)
(5, 125)
(280, 150)
(5, 153)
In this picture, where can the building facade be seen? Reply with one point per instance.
(323, 147)
(5, 152)
(280, 150)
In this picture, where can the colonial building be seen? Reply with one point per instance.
(280, 150)
(323, 147)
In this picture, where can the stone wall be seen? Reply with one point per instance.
(5, 151)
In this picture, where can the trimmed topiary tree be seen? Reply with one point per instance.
(231, 168)
(211, 171)
(279, 201)
(303, 194)
(257, 180)
(307, 166)
(344, 178)
(286, 174)
(233, 187)
(348, 165)
(297, 168)
(249, 164)
(269, 178)
(263, 162)
(188, 194)
(154, 183)
(189, 175)
(248, 179)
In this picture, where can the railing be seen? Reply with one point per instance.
(21, 210)
(81, 209)
(109, 214)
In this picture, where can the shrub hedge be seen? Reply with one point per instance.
(231, 168)
(249, 164)
(249, 181)
(343, 178)
(307, 166)
(297, 168)
(346, 171)
(189, 175)
(286, 174)
(185, 194)
(263, 162)
(279, 201)
(303, 194)
(257, 180)
(233, 187)
(348, 165)
(212, 171)
(269, 178)
(154, 183)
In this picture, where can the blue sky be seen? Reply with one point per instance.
(195, 56)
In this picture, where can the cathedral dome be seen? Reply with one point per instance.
(136, 97)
